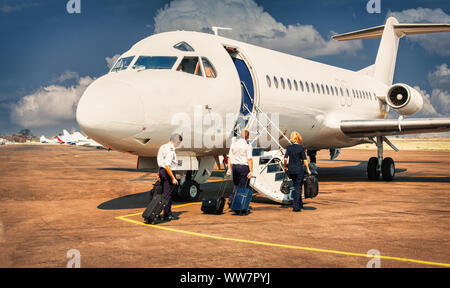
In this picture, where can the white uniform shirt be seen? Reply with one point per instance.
(167, 156)
(240, 152)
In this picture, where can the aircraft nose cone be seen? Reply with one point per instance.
(110, 110)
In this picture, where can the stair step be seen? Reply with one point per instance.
(272, 168)
(279, 176)
(258, 151)
(264, 159)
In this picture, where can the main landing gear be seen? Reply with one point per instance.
(378, 165)
(189, 190)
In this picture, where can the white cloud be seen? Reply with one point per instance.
(428, 109)
(250, 24)
(49, 106)
(55, 104)
(110, 61)
(437, 102)
(433, 43)
(67, 76)
(440, 99)
(440, 78)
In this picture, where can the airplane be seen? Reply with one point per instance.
(132, 108)
(77, 139)
(45, 140)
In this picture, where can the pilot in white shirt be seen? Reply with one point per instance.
(167, 161)
(167, 156)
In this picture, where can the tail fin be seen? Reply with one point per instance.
(390, 34)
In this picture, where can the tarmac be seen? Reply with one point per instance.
(56, 198)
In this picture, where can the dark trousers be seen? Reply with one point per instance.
(168, 186)
(240, 180)
(297, 180)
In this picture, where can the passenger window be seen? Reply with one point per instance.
(318, 88)
(313, 88)
(328, 90)
(332, 90)
(336, 90)
(348, 93)
(282, 83)
(190, 65)
(183, 46)
(268, 81)
(289, 84)
(210, 72)
(295, 85)
(122, 64)
(275, 81)
(307, 87)
(323, 89)
(301, 85)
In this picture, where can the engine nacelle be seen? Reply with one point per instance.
(404, 100)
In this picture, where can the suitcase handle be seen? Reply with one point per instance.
(222, 187)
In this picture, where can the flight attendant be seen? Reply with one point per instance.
(295, 169)
(167, 161)
(240, 163)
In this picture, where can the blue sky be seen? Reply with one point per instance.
(46, 52)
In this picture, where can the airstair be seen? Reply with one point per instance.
(268, 171)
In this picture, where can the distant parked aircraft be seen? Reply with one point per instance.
(45, 140)
(77, 139)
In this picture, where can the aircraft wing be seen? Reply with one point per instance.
(371, 128)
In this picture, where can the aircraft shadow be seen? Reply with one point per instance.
(132, 201)
(358, 173)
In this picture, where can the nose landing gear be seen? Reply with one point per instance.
(378, 165)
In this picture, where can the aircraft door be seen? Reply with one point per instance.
(246, 78)
(246, 86)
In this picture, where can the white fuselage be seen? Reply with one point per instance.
(136, 111)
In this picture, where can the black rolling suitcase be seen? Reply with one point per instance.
(156, 206)
(216, 205)
(311, 182)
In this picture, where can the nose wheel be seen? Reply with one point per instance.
(378, 165)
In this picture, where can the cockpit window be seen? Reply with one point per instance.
(190, 65)
(122, 64)
(155, 62)
(183, 46)
(210, 72)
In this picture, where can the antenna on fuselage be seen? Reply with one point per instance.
(216, 29)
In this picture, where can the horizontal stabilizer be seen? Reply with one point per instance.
(400, 29)
(371, 128)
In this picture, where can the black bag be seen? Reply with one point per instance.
(285, 185)
(311, 186)
(157, 189)
(215, 205)
(156, 206)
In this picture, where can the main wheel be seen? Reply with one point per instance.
(190, 191)
(388, 169)
(372, 169)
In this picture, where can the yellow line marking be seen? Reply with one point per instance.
(125, 218)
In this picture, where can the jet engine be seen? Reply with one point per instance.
(404, 100)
